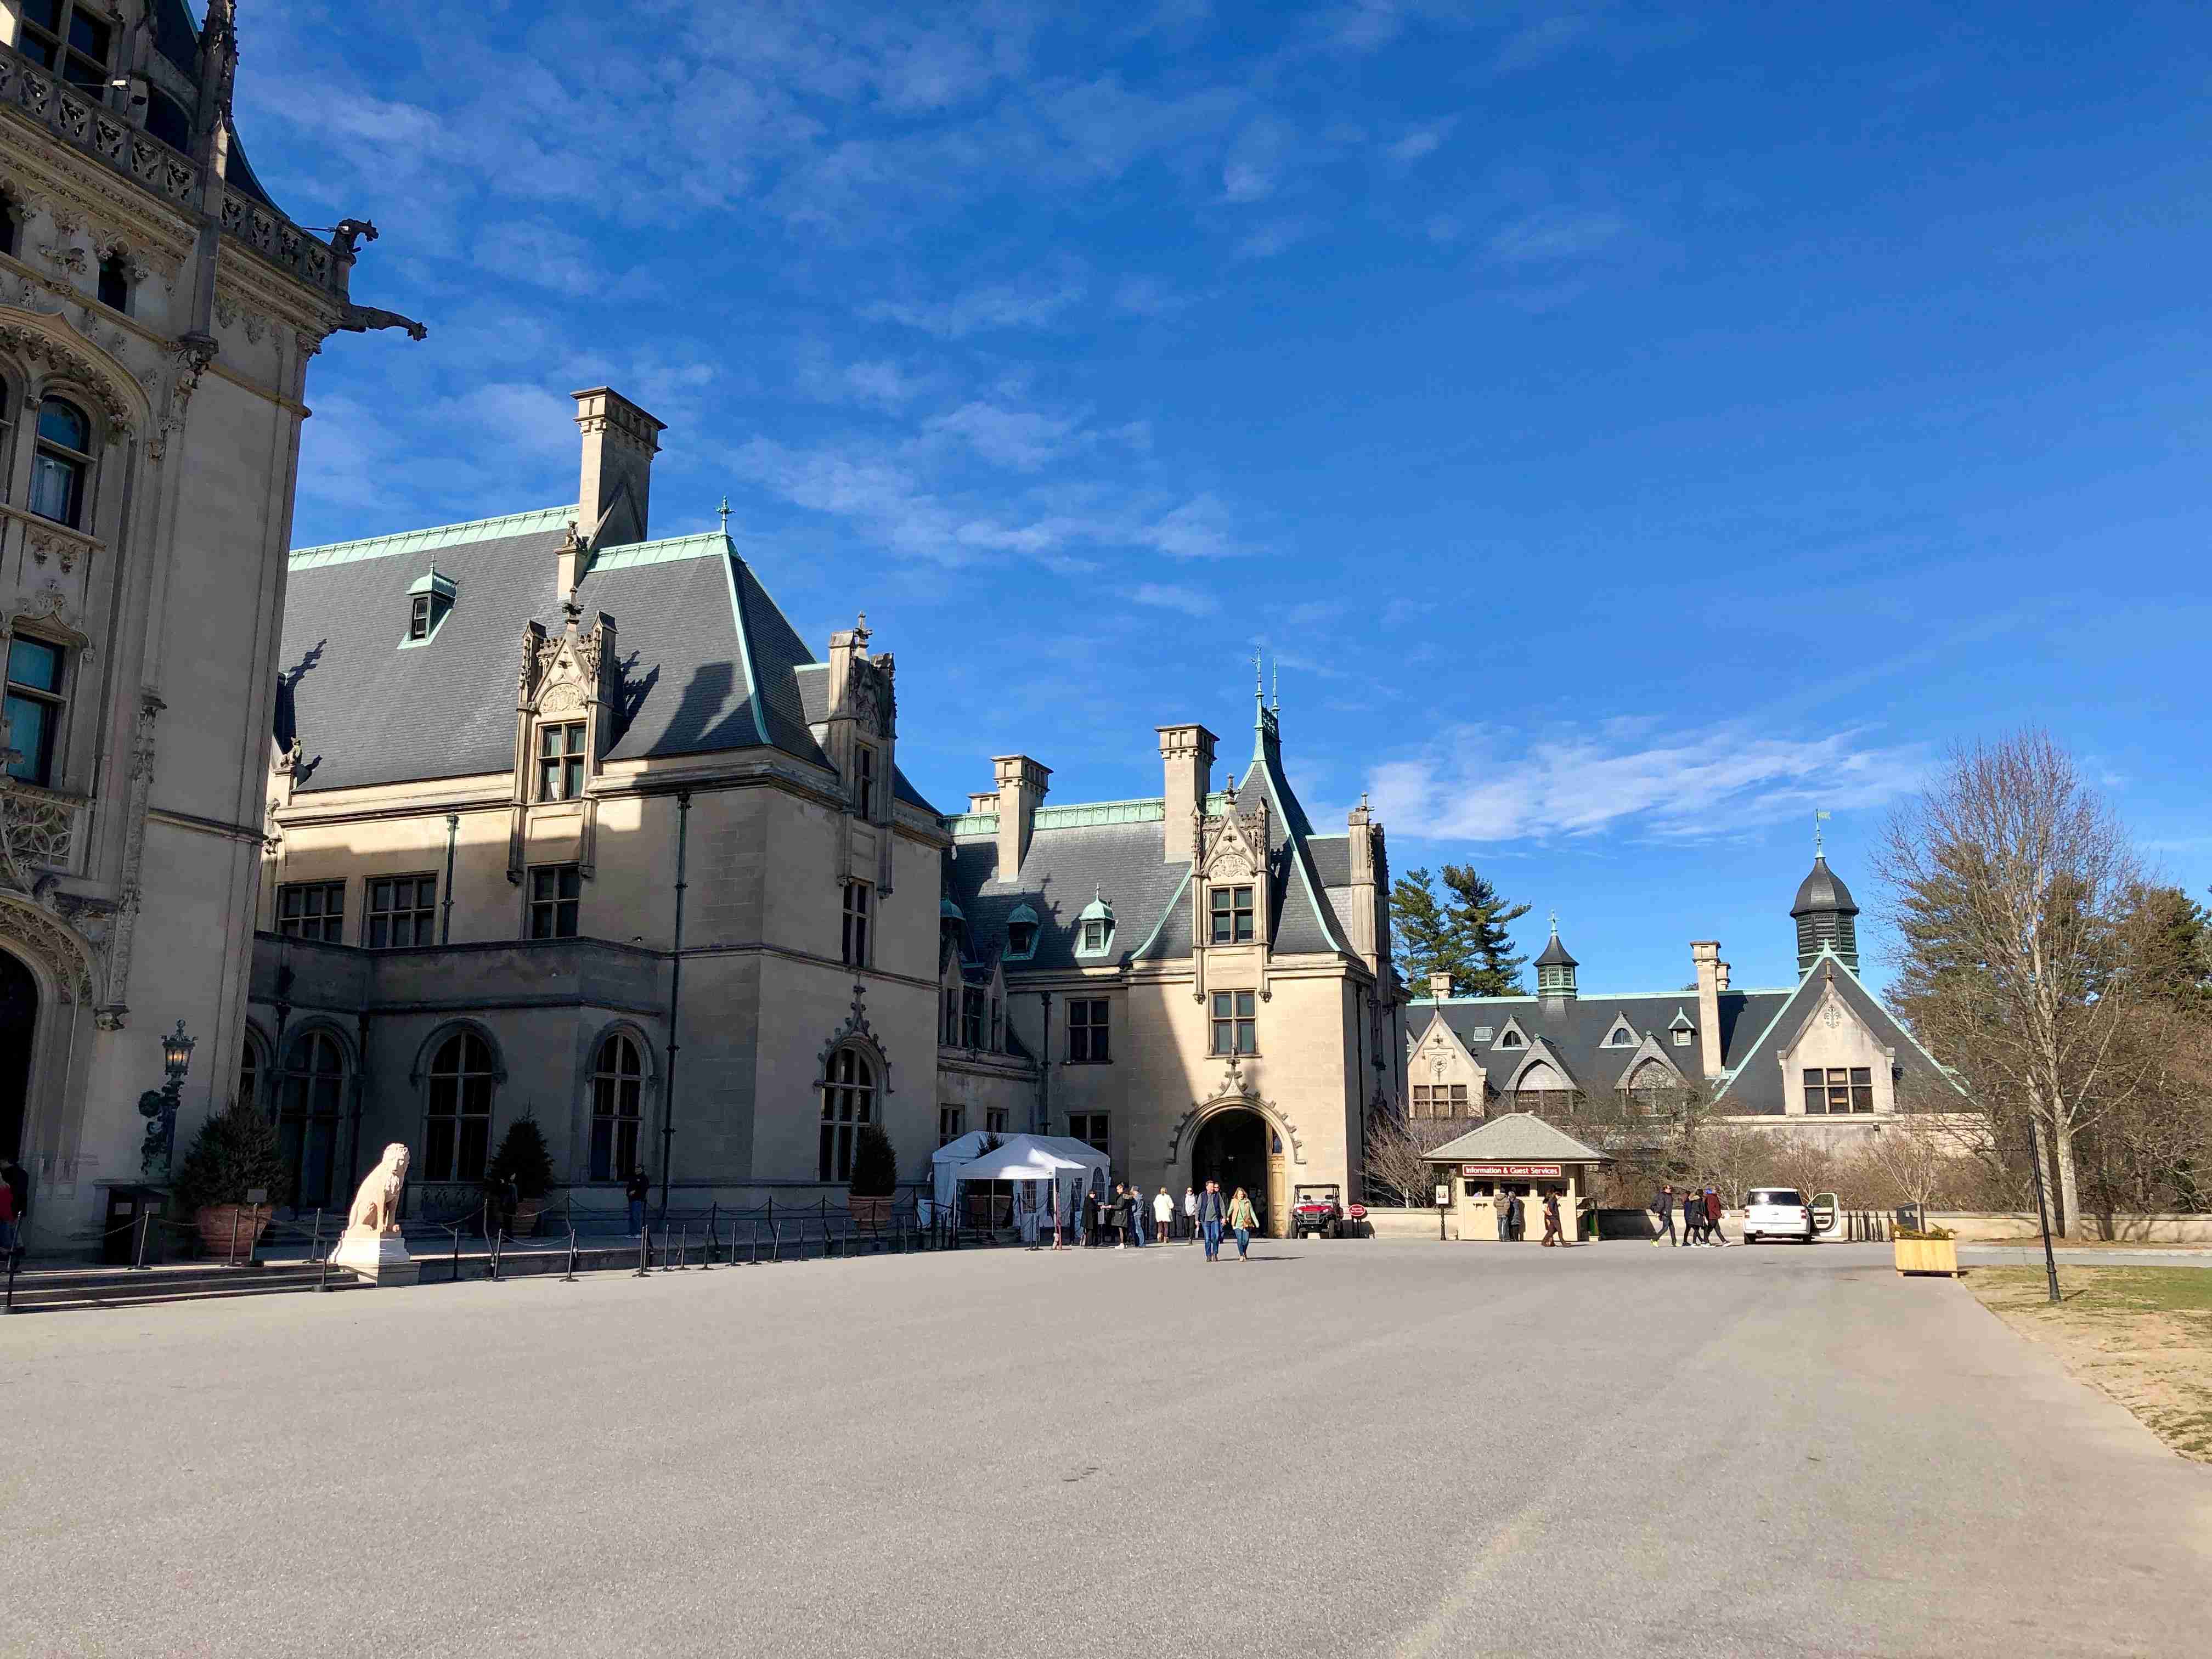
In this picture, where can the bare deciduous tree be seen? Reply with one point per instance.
(2010, 881)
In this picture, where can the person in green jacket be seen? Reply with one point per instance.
(1241, 1222)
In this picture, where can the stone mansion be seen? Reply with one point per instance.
(568, 820)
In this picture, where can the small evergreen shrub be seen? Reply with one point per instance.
(875, 1166)
(235, 1152)
(524, 1158)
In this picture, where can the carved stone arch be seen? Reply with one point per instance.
(1236, 1095)
(318, 1025)
(621, 1026)
(65, 359)
(419, 1071)
(57, 953)
(854, 1033)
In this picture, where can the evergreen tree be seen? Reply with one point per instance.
(1461, 934)
(1480, 916)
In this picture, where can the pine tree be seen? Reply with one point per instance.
(1427, 938)
(1481, 917)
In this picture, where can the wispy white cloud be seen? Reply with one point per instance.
(1169, 597)
(1422, 140)
(1277, 237)
(1491, 783)
(993, 306)
(1544, 38)
(1022, 439)
(1555, 232)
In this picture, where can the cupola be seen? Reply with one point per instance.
(1555, 969)
(1826, 918)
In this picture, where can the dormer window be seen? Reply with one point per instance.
(1021, 934)
(864, 781)
(1231, 914)
(560, 760)
(951, 930)
(430, 601)
(68, 37)
(1620, 1037)
(1094, 929)
(1511, 1040)
(114, 286)
(1682, 1038)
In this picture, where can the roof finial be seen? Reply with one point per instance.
(1277, 698)
(1819, 818)
(724, 512)
(1259, 674)
(1555, 924)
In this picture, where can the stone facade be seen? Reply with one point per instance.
(157, 316)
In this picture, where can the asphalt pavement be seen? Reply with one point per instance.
(1341, 1447)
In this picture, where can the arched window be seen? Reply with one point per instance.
(1545, 1092)
(848, 1100)
(249, 1073)
(309, 1105)
(63, 462)
(457, 1137)
(114, 288)
(617, 1094)
(1510, 1040)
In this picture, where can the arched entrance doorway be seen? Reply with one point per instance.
(18, 1018)
(1238, 1148)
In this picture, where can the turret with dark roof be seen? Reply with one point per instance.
(1826, 918)
(1555, 969)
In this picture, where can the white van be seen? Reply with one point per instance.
(1776, 1212)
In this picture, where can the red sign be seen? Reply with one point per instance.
(1512, 1171)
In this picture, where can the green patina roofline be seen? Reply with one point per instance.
(1595, 996)
(1078, 814)
(700, 544)
(972, 824)
(416, 541)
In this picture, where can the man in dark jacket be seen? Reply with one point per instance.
(1662, 1204)
(638, 1189)
(1520, 1218)
(1212, 1211)
(1713, 1202)
(1551, 1220)
(1693, 1218)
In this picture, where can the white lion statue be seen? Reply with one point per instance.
(376, 1204)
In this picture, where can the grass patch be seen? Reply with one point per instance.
(2141, 1334)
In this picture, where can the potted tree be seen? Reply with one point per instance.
(875, 1177)
(524, 1158)
(1934, 1250)
(235, 1156)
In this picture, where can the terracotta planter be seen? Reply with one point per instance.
(1926, 1255)
(869, 1212)
(225, 1227)
(526, 1218)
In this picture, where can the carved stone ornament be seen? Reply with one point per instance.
(375, 1209)
(854, 1031)
(36, 830)
(68, 957)
(561, 700)
(1236, 1092)
(64, 361)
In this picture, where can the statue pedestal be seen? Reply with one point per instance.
(379, 1258)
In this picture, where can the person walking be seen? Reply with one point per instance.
(638, 1189)
(1132, 1206)
(1241, 1222)
(1211, 1213)
(1551, 1220)
(1502, 1205)
(1693, 1218)
(6, 1223)
(1713, 1206)
(1189, 1213)
(1052, 1209)
(1662, 1206)
(1163, 1216)
(1519, 1219)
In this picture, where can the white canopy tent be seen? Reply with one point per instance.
(1071, 1166)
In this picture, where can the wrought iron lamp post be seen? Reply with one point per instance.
(160, 1105)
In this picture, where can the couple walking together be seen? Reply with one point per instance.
(1234, 1214)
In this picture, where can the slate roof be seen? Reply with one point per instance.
(1754, 1025)
(1822, 890)
(1517, 1138)
(706, 661)
(1069, 863)
(1555, 955)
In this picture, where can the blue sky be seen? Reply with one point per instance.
(1629, 427)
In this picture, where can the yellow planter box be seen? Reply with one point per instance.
(1927, 1256)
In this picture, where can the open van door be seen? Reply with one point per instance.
(1827, 1216)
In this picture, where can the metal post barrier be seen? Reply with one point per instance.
(145, 1220)
(643, 1234)
(683, 1250)
(754, 1260)
(14, 1254)
(713, 1219)
(457, 1255)
(570, 1276)
(497, 1234)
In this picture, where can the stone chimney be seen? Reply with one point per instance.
(1022, 784)
(1712, 974)
(1720, 973)
(983, 803)
(1366, 909)
(620, 441)
(1187, 755)
(1440, 987)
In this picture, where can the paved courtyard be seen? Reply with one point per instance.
(1343, 1448)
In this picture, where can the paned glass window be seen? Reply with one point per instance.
(952, 1124)
(35, 707)
(1096, 932)
(456, 1130)
(1092, 1129)
(864, 779)
(1235, 1023)
(848, 1100)
(69, 37)
(1837, 1090)
(971, 1018)
(617, 1102)
(308, 1108)
(994, 1120)
(1681, 1039)
(312, 910)
(1087, 1029)
(418, 626)
(1232, 915)
(62, 464)
(401, 910)
(556, 894)
(560, 760)
(856, 924)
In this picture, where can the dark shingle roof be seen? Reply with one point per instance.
(1065, 869)
(1822, 890)
(1756, 1084)
(1555, 955)
(1576, 1028)
(706, 661)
